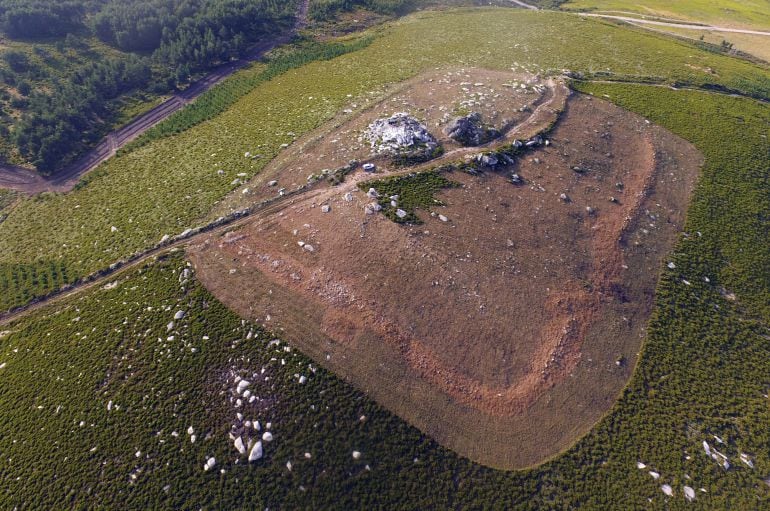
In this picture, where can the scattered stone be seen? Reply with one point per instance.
(348, 197)
(400, 213)
(242, 386)
(372, 193)
(746, 460)
(239, 445)
(179, 315)
(272, 183)
(443, 218)
(488, 160)
(689, 493)
(210, 463)
(564, 197)
(535, 141)
(667, 490)
(256, 451)
(309, 247)
(369, 167)
(356, 455)
(267, 436)
(654, 474)
(302, 379)
(671, 265)
(326, 208)
(640, 465)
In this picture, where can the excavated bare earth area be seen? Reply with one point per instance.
(504, 332)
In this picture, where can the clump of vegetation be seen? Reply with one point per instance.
(337, 176)
(410, 192)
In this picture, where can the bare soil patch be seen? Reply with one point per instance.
(505, 100)
(505, 331)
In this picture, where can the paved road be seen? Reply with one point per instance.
(27, 181)
(690, 26)
(525, 5)
(671, 24)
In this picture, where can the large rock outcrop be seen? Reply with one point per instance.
(470, 130)
(402, 137)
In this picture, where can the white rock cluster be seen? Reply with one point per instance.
(400, 134)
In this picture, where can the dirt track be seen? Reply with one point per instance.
(63, 180)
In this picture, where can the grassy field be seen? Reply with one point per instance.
(703, 372)
(753, 14)
(165, 186)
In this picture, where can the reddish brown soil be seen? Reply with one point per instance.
(496, 332)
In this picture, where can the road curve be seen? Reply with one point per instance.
(27, 181)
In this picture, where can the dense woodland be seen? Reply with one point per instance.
(160, 43)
